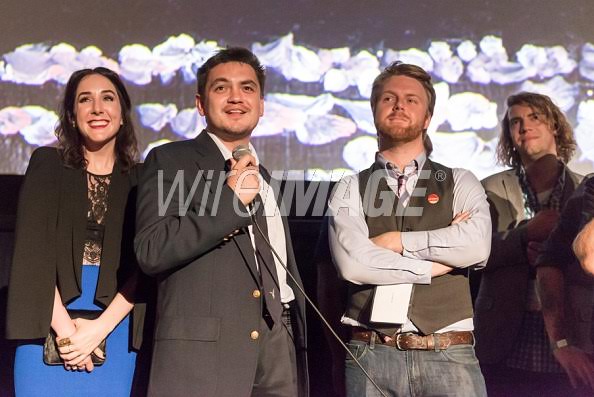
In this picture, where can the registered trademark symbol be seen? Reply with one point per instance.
(440, 175)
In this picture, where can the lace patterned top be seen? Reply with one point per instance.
(98, 189)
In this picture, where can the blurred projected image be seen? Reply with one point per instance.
(317, 122)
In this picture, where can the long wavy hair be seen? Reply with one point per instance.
(565, 142)
(70, 142)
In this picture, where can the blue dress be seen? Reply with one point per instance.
(32, 377)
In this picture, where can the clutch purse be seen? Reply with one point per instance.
(51, 354)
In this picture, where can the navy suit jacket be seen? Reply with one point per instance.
(198, 247)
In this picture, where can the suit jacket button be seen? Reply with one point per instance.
(254, 335)
(256, 293)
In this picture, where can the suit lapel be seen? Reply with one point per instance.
(209, 157)
(275, 185)
(76, 205)
(513, 193)
(116, 205)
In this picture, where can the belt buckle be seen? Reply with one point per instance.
(397, 341)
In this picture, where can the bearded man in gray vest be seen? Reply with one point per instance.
(404, 233)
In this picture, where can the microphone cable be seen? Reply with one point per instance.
(238, 152)
(313, 306)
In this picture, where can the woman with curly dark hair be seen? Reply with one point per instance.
(74, 280)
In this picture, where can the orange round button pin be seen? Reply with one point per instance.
(433, 198)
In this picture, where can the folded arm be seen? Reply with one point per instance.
(356, 257)
(464, 243)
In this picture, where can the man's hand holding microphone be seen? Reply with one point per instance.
(244, 175)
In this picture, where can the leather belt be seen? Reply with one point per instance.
(411, 341)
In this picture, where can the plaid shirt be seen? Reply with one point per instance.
(532, 351)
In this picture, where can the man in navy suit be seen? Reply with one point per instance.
(230, 321)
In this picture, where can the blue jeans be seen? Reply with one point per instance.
(414, 373)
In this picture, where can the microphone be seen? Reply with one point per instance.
(239, 151)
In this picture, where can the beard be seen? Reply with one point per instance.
(395, 135)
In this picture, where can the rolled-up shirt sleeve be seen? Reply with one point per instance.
(464, 244)
(356, 257)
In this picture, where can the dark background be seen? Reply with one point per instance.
(321, 23)
(360, 25)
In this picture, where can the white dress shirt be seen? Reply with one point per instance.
(274, 222)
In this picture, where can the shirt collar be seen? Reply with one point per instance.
(227, 154)
(412, 167)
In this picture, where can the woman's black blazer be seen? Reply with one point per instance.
(49, 240)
